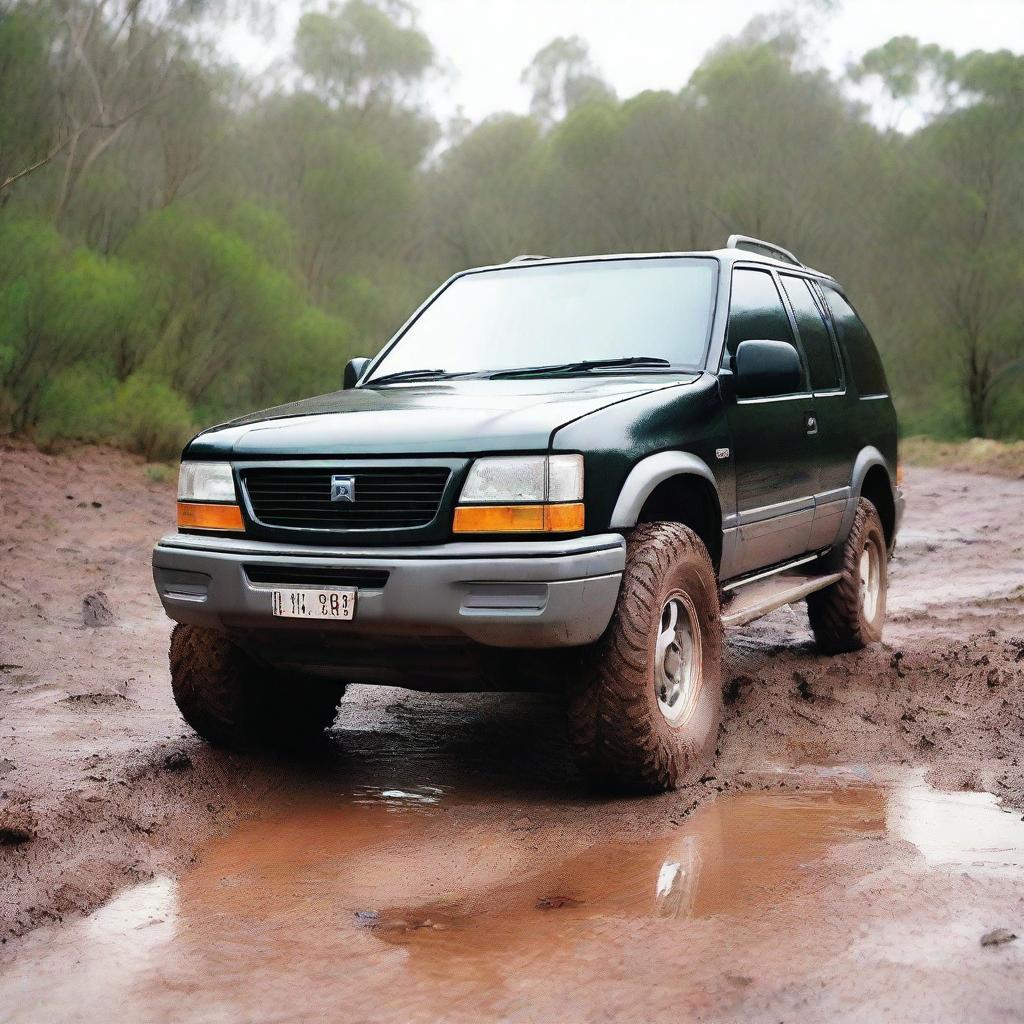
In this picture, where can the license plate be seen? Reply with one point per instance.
(315, 604)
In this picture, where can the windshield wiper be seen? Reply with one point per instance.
(405, 375)
(580, 367)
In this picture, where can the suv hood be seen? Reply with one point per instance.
(437, 418)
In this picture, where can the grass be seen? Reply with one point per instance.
(978, 455)
(161, 472)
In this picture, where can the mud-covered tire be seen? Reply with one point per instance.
(845, 616)
(621, 737)
(237, 702)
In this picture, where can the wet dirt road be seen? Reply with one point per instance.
(845, 900)
(860, 835)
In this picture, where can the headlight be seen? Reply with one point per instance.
(206, 481)
(522, 494)
(206, 497)
(524, 478)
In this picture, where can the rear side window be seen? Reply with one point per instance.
(865, 363)
(814, 335)
(756, 310)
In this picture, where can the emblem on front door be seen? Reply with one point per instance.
(721, 453)
(343, 488)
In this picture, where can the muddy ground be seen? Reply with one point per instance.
(860, 836)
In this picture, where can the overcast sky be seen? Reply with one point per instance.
(642, 44)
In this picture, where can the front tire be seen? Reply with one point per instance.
(849, 614)
(645, 710)
(234, 701)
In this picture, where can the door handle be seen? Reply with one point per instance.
(810, 423)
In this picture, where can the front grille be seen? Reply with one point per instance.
(386, 498)
(312, 576)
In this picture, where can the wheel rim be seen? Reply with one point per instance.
(870, 581)
(677, 661)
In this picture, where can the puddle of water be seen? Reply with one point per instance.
(398, 797)
(957, 828)
(393, 895)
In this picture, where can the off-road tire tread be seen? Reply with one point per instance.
(611, 704)
(236, 702)
(835, 612)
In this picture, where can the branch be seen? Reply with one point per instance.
(1016, 364)
(114, 126)
(56, 151)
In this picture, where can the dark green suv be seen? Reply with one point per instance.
(560, 472)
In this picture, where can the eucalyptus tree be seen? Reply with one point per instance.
(29, 101)
(561, 77)
(961, 219)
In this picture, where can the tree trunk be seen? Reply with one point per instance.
(977, 386)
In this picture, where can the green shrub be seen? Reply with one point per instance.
(938, 413)
(150, 418)
(77, 406)
(1008, 408)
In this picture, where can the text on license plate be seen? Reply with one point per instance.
(315, 604)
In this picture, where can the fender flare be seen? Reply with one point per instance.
(867, 458)
(647, 474)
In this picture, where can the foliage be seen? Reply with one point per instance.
(561, 78)
(361, 53)
(150, 418)
(179, 243)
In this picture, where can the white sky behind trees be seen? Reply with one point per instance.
(641, 44)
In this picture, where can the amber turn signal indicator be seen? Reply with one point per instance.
(194, 515)
(567, 518)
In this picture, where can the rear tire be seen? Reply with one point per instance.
(849, 614)
(234, 701)
(645, 710)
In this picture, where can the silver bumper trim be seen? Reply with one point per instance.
(533, 594)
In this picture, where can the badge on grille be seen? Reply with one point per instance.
(343, 488)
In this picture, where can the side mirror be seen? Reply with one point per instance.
(767, 368)
(353, 371)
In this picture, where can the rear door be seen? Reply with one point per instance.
(835, 444)
(773, 437)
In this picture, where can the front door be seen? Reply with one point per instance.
(773, 437)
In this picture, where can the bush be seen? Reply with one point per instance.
(142, 414)
(77, 406)
(150, 418)
(937, 413)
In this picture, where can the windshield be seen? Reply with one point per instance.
(562, 313)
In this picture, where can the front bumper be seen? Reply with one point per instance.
(557, 593)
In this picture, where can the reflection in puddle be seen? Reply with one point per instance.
(391, 899)
(398, 797)
(150, 907)
(677, 883)
(957, 828)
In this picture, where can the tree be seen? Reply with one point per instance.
(107, 64)
(911, 74)
(483, 194)
(180, 241)
(348, 201)
(964, 187)
(561, 78)
(363, 54)
(28, 99)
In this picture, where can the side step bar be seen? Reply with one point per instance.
(751, 600)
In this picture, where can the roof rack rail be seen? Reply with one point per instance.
(762, 248)
(528, 258)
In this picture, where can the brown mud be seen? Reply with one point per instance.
(844, 858)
